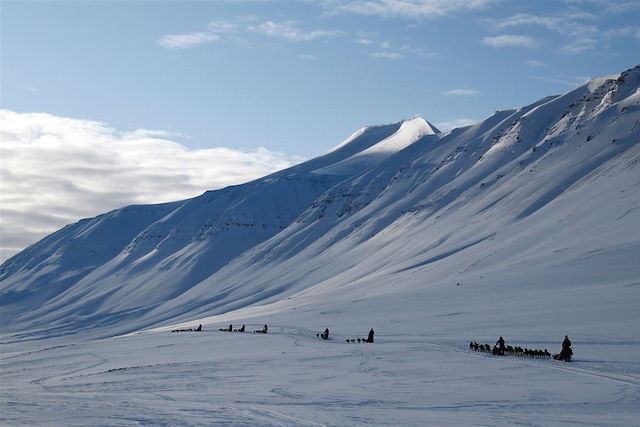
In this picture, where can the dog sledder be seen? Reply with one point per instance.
(198, 329)
(241, 329)
(369, 338)
(502, 349)
(566, 353)
(324, 335)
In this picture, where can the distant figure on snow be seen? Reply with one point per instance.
(227, 330)
(240, 329)
(325, 335)
(566, 352)
(501, 346)
(370, 337)
(199, 329)
(263, 330)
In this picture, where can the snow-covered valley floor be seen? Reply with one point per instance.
(290, 377)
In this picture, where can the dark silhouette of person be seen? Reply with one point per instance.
(241, 329)
(325, 334)
(264, 330)
(370, 337)
(199, 328)
(501, 347)
(566, 352)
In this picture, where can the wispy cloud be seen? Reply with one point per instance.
(188, 40)
(622, 32)
(386, 55)
(385, 50)
(364, 41)
(609, 6)
(412, 9)
(510, 40)
(579, 45)
(231, 29)
(290, 30)
(575, 26)
(56, 170)
(533, 63)
(462, 92)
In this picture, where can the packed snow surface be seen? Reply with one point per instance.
(525, 225)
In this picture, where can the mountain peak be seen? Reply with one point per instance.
(422, 125)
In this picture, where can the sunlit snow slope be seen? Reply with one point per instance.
(534, 207)
(112, 269)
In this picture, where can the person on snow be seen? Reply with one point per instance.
(370, 337)
(199, 329)
(566, 352)
(501, 346)
(241, 329)
(263, 330)
(325, 334)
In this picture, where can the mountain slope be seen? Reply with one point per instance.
(523, 206)
(524, 185)
(119, 265)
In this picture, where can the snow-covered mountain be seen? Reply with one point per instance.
(530, 206)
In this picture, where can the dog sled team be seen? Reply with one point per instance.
(264, 329)
(198, 329)
(501, 349)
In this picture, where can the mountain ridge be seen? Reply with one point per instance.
(449, 205)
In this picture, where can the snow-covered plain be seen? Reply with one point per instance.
(525, 225)
(417, 376)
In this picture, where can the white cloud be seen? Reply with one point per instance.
(622, 32)
(580, 36)
(56, 170)
(364, 41)
(610, 6)
(386, 55)
(413, 9)
(462, 92)
(229, 30)
(417, 51)
(289, 30)
(184, 41)
(579, 45)
(223, 27)
(455, 123)
(509, 40)
(534, 63)
(521, 19)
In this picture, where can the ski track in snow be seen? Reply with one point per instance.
(289, 377)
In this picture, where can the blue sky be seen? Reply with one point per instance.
(104, 104)
(299, 77)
